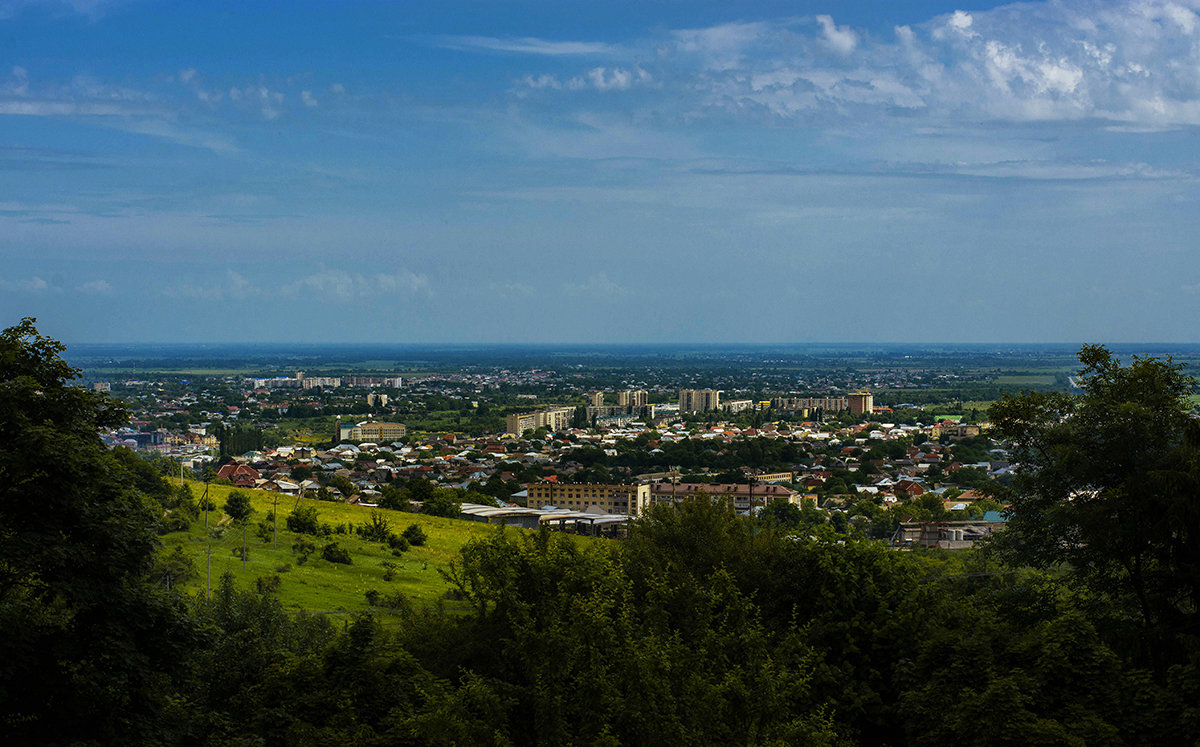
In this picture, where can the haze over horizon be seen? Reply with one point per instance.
(639, 173)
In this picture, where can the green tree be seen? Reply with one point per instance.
(1108, 485)
(89, 646)
(303, 520)
(237, 506)
(443, 502)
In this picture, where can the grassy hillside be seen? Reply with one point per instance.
(318, 585)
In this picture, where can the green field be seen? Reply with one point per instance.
(1022, 380)
(318, 585)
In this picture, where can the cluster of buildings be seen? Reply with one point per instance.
(312, 382)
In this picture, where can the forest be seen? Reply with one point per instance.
(1078, 625)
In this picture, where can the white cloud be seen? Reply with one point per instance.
(526, 45)
(308, 99)
(341, 285)
(236, 286)
(1131, 63)
(841, 39)
(268, 102)
(31, 285)
(186, 75)
(519, 290)
(98, 287)
(596, 286)
(721, 47)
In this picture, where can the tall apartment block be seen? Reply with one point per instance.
(861, 402)
(633, 398)
(699, 400)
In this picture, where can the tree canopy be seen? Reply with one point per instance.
(1108, 487)
(87, 645)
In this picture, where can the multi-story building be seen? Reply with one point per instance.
(374, 399)
(743, 495)
(553, 418)
(314, 382)
(384, 381)
(799, 404)
(738, 405)
(373, 432)
(612, 499)
(595, 399)
(633, 398)
(861, 402)
(699, 400)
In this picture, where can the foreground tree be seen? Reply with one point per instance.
(1109, 487)
(87, 646)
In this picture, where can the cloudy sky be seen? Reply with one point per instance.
(661, 170)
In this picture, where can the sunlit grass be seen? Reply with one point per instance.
(317, 584)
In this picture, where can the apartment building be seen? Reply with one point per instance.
(860, 402)
(373, 432)
(699, 400)
(552, 418)
(611, 499)
(633, 398)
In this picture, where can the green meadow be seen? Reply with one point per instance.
(317, 585)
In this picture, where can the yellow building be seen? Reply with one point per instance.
(612, 499)
(374, 432)
(553, 419)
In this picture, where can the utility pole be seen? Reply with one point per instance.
(208, 536)
(275, 514)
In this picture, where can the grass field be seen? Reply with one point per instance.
(318, 585)
(1023, 380)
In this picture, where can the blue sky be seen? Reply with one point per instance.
(601, 172)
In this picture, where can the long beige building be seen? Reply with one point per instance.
(552, 418)
(374, 432)
(743, 495)
(611, 499)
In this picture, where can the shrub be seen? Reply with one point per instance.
(415, 535)
(389, 570)
(303, 548)
(335, 553)
(376, 530)
(303, 520)
(176, 521)
(395, 601)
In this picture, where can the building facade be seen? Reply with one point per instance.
(743, 495)
(699, 400)
(633, 398)
(373, 432)
(631, 500)
(861, 402)
(552, 418)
